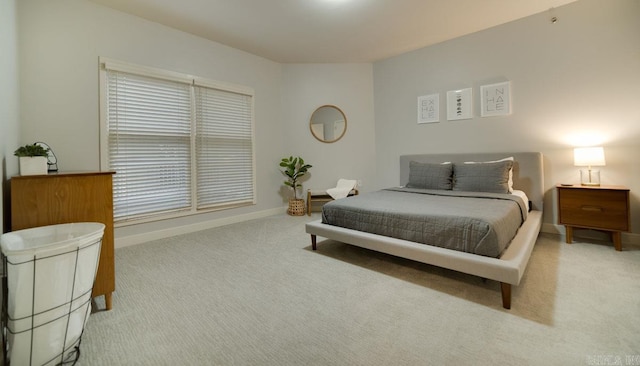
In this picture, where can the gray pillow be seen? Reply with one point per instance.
(430, 176)
(482, 177)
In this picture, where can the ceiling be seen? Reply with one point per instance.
(330, 31)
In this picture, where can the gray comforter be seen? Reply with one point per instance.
(473, 222)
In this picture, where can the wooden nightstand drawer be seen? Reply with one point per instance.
(602, 209)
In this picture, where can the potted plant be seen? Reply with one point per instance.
(33, 159)
(294, 168)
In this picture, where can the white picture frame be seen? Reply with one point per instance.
(429, 108)
(459, 104)
(495, 99)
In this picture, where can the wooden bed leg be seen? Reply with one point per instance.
(313, 242)
(506, 295)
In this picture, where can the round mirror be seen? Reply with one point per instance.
(328, 123)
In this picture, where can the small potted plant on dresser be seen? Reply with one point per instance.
(294, 168)
(33, 159)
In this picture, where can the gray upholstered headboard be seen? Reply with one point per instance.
(527, 170)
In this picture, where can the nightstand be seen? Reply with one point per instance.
(603, 208)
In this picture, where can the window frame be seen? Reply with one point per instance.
(106, 64)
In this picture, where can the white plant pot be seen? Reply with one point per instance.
(33, 165)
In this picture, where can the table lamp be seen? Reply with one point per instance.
(589, 156)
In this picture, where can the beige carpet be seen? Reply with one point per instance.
(255, 294)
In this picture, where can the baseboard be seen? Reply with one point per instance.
(126, 241)
(627, 238)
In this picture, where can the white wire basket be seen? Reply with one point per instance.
(50, 272)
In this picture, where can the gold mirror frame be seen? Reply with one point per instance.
(327, 122)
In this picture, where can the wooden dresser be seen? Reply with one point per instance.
(603, 208)
(59, 198)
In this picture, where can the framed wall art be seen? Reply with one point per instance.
(495, 99)
(429, 108)
(459, 104)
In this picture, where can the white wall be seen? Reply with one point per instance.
(347, 86)
(574, 79)
(9, 120)
(60, 42)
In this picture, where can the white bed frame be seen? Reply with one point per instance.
(508, 269)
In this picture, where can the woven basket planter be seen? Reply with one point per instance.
(296, 207)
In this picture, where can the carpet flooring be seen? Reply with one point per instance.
(254, 293)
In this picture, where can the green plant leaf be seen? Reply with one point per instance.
(294, 168)
(31, 150)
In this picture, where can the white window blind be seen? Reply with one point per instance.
(149, 129)
(178, 144)
(224, 147)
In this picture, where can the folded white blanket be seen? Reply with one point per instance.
(342, 189)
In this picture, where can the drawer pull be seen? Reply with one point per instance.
(592, 208)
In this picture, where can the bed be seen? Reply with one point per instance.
(506, 267)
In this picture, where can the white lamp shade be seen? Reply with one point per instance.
(588, 156)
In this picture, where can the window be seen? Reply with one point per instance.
(224, 151)
(178, 144)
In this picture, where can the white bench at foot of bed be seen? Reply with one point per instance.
(508, 269)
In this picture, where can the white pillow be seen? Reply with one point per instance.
(496, 161)
(524, 197)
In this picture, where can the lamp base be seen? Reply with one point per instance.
(590, 177)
